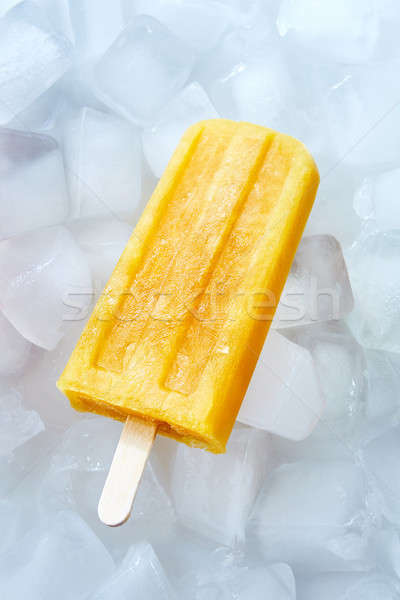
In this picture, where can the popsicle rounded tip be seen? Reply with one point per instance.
(110, 517)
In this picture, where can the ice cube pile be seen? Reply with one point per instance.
(94, 95)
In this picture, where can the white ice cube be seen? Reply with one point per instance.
(142, 70)
(348, 586)
(140, 573)
(61, 558)
(33, 191)
(14, 349)
(377, 200)
(213, 494)
(249, 84)
(373, 263)
(200, 24)
(380, 457)
(103, 163)
(340, 366)
(383, 385)
(362, 116)
(17, 425)
(95, 24)
(227, 576)
(159, 141)
(44, 280)
(103, 241)
(311, 513)
(32, 58)
(284, 396)
(344, 31)
(318, 286)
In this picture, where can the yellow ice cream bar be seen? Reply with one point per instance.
(177, 332)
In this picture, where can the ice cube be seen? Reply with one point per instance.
(213, 494)
(61, 558)
(284, 396)
(17, 425)
(312, 514)
(228, 576)
(340, 366)
(343, 31)
(348, 586)
(102, 240)
(33, 57)
(373, 267)
(14, 349)
(318, 286)
(103, 162)
(249, 84)
(141, 573)
(380, 457)
(44, 279)
(96, 24)
(377, 200)
(142, 70)
(383, 384)
(42, 115)
(33, 191)
(188, 107)
(362, 114)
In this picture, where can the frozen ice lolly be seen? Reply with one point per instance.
(176, 334)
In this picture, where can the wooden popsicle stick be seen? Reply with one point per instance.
(126, 470)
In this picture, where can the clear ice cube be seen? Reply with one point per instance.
(45, 279)
(17, 424)
(33, 192)
(318, 286)
(58, 558)
(344, 31)
(103, 163)
(312, 514)
(373, 267)
(213, 494)
(142, 70)
(140, 573)
(284, 396)
(188, 107)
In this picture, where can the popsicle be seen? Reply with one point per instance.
(174, 338)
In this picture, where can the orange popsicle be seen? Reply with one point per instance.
(176, 334)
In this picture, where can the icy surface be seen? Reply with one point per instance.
(323, 528)
(45, 280)
(33, 189)
(94, 96)
(373, 265)
(32, 58)
(214, 494)
(142, 70)
(345, 31)
(342, 586)
(188, 107)
(33, 570)
(95, 25)
(284, 396)
(14, 349)
(140, 572)
(376, 200)
(17, 425)
(103, 163)
(227, 576)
